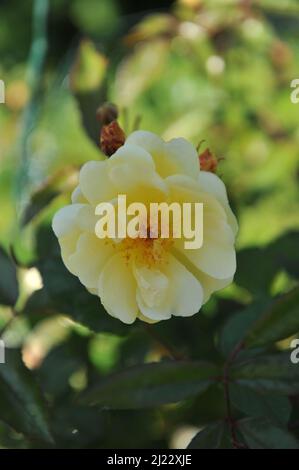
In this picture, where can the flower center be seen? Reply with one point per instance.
(148, 251)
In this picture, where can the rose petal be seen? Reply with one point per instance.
(117, 289)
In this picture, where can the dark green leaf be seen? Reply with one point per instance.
(39, 201)
(235, 329)
(280, 320)
(213, 436)
(274, 373)
(256, 270)
(152, 384)
(262, 434)
(77, 427)
(21, 403)
(257, 267)
(260, 404)
(286, 251)
(9, 290)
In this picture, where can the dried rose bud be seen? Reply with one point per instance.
(107, 113)
(112, 137)
(208, 161)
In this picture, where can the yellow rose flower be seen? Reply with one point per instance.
(148, 278)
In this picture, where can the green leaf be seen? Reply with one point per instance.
(256, 270)
(51, 187)
(89, 69)
(87, 422)
(21, 403)
(286, 251)
(236, 327)
(152, 384)
(288, 7)
(213, 436)
(256, 403)
(257, 267)
(279, 321)
(9, 289)
(262, 434)
(39, 201)
(273, 373)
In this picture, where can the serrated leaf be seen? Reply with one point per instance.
(152, 384)
(260, 404)
(273, 373)
(213, 436)
(21, 403)
(9, 289)
(280, 320)
(262, 434)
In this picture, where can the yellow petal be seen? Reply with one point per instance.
(89, 258)
(152, 293)
(217, 255)
(185, 290)
(66, 220)
(94, 182)
(117, 289)
(209, 284)
(132, 171)
(184, 155)
(172, 290)
(77, 196)
(149, 141)
(212, 184)
(175, 156)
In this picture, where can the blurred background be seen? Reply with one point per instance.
(212, 70)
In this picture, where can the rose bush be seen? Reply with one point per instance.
(153, 278)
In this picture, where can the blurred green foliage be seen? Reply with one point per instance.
(213, 70)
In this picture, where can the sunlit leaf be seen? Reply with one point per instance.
(139, 71)
(89, 69)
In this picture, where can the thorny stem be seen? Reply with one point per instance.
(225, 380)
